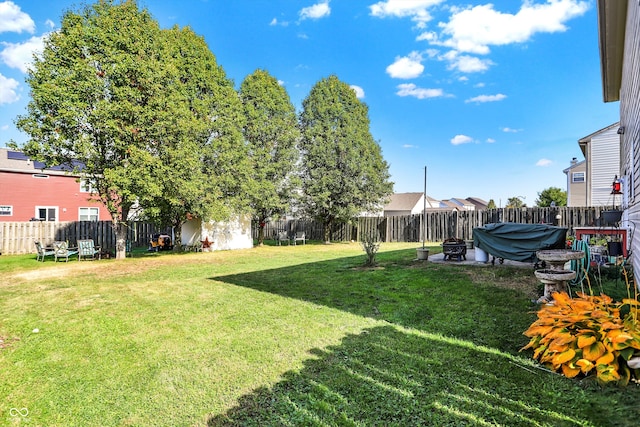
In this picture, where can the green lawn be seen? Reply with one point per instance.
(292, 335)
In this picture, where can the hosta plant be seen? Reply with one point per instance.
(588, 335)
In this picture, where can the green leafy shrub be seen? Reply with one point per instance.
(587, 335)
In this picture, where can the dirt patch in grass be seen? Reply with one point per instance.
(98, 268)
(519, 279)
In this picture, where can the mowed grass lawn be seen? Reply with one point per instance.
(271, 336)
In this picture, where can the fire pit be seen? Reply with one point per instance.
(454, 248)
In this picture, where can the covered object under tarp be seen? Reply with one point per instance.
(518, 242)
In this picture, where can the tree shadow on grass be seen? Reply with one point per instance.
(389, 377)
(425, 296)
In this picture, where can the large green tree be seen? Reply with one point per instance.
(550, 195)
(272, 134)
(344, 173)
(202, 160)
(135, 109)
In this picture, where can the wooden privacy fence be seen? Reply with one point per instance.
(439, 225)
(18, 237)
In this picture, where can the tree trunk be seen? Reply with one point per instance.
(261, 231)
(121, 227)
(121, 239)
(327, 231)
(177, 231)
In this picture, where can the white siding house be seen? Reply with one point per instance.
(619, 40)
(601, 151)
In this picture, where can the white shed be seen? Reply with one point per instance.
(223, 235)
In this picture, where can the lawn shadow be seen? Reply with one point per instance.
(388, 377)
(430, 297)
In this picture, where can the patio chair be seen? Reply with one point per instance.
(299, 237)
(87, 249)
(282, 236)
(42, 251)
(62, 250)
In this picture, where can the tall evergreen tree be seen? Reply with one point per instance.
(344, 173)
(272, 134)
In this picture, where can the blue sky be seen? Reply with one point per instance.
(491, 97)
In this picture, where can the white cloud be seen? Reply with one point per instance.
(409, 89)
(8, 92)
(415, 9)
(408, 146)
(490, 140)
(14, 20)
(466, 63)
(318, 10)
(544, 162)
(280, 82)
(4, 127)
(510, 130)
(20, 55)
(274, 22)
(475, 29)
(49, 23)
(406, 67)
(359, 91)
(461, 139)
(487, 98)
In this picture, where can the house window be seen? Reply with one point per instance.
(6, 210)
(87, 186)
(46, 213)
(88, 214)
(577, 177)
(40, 175)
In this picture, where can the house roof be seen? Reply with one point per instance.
(461, 202)
(16, 161)
(478, 202)
(573, 166)
(403, 201)
(450, 204)
(612, 18)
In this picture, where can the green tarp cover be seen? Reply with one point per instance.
(518, 242)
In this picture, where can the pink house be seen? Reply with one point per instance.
(29, 191)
